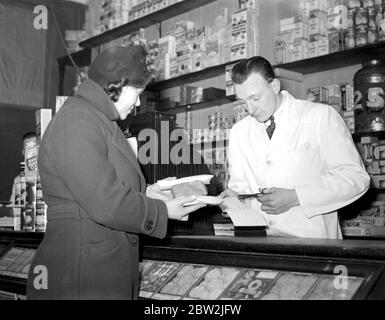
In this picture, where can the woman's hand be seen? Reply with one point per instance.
(228, 193)
(176, 211)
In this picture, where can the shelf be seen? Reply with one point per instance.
(82, 58)
(190, 77)
(336, 60)
(369, 133)
(144, 22)
(199, 106)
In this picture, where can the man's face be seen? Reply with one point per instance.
(31, 141)
(128, 100)
(259, 95)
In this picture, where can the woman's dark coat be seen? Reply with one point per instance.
(94, 189)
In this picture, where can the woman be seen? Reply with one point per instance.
(94, 189)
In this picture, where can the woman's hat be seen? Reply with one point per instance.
(118, 62)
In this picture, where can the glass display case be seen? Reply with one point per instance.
(231, 268)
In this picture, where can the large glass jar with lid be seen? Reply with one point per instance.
(369, 105)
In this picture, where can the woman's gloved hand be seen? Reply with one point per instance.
(176, 210)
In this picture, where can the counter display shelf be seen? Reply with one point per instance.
(211, 267)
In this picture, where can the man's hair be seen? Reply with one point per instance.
(242, 70)
(29, 135)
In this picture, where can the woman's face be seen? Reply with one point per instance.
(128, 100)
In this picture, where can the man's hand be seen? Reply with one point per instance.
(228, 193)
(277, 200)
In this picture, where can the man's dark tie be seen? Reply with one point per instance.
(270, 129)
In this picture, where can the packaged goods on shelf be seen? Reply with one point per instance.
(43, 118)
(369, 222)
(41, 217)
(336, 41)
(190, 94)
(318, 94)
(212, 53)
(240, 110)
(337, 18)
(244, 34)
(318, 23)
(229, 82)
(31, 153)
(348, 117)
(253, 4)
(279, 52)
(299, 50)
(323, 45)
(199, 61)
(134, 39)
(378, 151)
(316, 5)
(28, 218)
(347, 97)
(288, 24)
(213, 93)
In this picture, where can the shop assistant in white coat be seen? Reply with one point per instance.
(307, 170)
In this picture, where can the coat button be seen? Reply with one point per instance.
(149, 225)
(134, 241)
(268, 162)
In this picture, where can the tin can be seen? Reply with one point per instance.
(350, 39)
(372, 35)
(367, 3)
(352, 4)
(371, 17)
(361, 35)
(361, 17)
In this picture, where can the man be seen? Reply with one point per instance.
(299, 155)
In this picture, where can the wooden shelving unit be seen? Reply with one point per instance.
(199, 106)
(144, 22)
(336, 60)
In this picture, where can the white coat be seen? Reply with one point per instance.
(311, 151)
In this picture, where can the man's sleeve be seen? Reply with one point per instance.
(346, 179)
(82, 163)
(237, 181)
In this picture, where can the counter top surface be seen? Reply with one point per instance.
(355, 249)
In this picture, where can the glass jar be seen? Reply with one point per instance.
(369, 86)
(361, 35)
(379, 14)
(381, 30)
(352, 4)
(371, 17)
(367, 3)
(361, 17)
(372, 35)
(351, 17)
(350, 39)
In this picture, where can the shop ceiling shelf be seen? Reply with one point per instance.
(82, 58)
(145, 21)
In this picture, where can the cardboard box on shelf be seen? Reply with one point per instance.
(337, 18)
